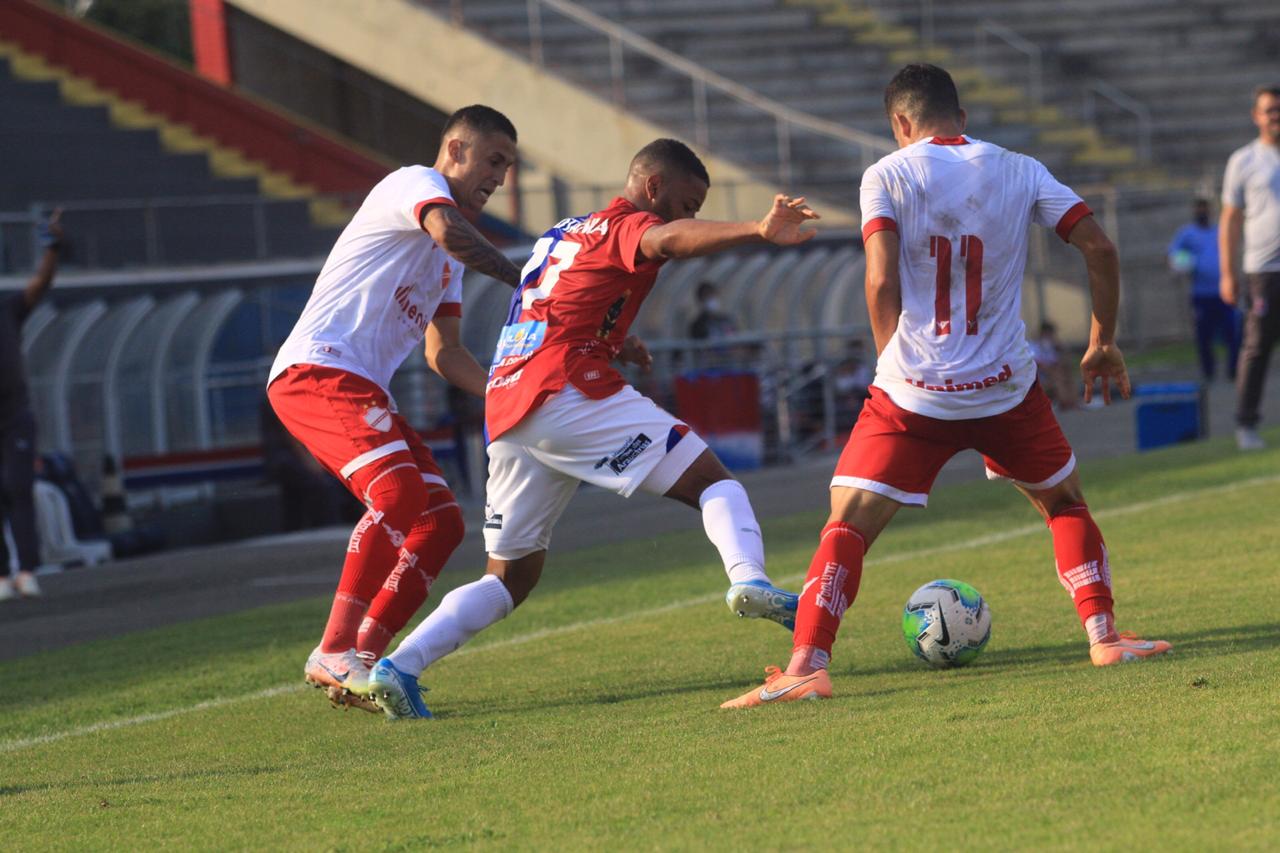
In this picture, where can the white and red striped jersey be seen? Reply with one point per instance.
(961, 208)
(383, 282)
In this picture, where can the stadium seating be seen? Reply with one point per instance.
(1193, 65)
(128, 200)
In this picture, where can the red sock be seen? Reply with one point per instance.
(434, 536)
(1081, 558)
(396, 497)
(830, 587)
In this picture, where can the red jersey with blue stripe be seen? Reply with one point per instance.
(578, 295)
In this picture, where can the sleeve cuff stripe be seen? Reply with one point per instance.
(417, 208)
(1069, 219)
(880, 223)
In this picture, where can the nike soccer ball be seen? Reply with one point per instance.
(946, 623)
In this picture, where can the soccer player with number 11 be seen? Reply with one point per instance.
(944, 222)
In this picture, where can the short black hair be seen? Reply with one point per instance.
(672, 155)
(481, 119)
(922, 92)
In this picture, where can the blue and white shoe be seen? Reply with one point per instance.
(396, 693)
(763, 600)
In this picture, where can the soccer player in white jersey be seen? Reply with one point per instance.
(558, 414)
(944, 223)
(392, 283)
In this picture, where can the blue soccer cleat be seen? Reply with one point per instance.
(397, 693)
(763, 600)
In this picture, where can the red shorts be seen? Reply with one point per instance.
(898, 454)
(349, 425)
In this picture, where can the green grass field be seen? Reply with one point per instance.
(589, 719)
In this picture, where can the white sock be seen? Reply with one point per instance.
(463, 613)
(732, 527)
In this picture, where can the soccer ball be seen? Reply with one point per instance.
(946, 623)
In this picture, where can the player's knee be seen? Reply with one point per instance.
(519, 575)
(1060, 508)
(1058, 501)
(706, 471)
(446, 524)
(399, 497)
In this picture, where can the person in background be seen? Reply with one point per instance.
(1051, 369)
(711, 321)
(1194, 252)
(18, 425)
(852, 379)
(1251, 210)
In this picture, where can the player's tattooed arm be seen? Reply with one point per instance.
(883, 285)
(453, 233)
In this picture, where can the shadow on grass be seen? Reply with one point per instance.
(210, 773)
(1025, 661)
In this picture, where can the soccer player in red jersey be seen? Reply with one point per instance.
(392, 283)
(558, 413)
(944, 225)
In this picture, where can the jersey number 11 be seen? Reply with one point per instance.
(971, 251)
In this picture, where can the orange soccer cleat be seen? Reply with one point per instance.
(780, 687)
(1125, 648)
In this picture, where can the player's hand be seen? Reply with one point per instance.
(781, 225)
(1228, 289)
(1105, 362)
(635, 352)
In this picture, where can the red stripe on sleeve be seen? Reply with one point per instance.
(422, 205)
(449, 309)
(880, 223)
(1069, 219)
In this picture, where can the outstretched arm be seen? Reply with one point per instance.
(688, 238)
(448, 357)
(40, 282)
(1103, 359)
(453, 233)
(883, 286)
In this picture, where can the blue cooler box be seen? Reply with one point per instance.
(1169, 413)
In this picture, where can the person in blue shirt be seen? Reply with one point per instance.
(1194, 251)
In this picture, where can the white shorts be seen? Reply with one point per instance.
(621, 443)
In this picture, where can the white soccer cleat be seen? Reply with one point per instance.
(27, 585)
(355, 690)
(335, 669)
(7, 590)
(1247, 438)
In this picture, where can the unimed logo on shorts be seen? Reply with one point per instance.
(624, 457)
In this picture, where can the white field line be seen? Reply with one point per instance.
(544, 633)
